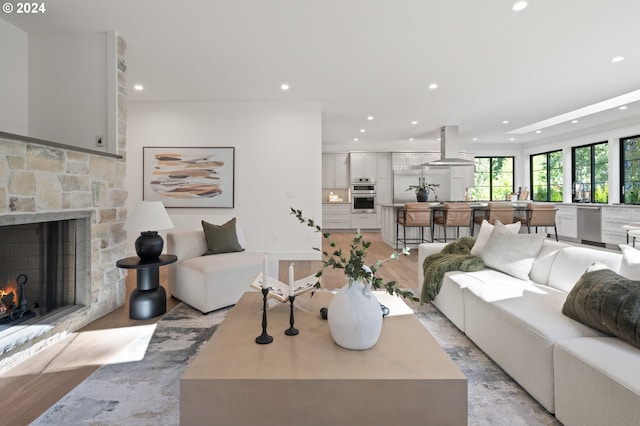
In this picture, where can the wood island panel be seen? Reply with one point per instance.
(405, 379)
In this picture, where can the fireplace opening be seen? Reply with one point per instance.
(37, 270)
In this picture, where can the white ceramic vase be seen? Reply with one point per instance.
(355, 317)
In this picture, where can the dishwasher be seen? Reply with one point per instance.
(590, 225)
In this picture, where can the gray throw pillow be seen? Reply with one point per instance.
(510, 253)
(608, 302)
(221, 238)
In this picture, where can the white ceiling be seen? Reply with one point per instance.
(377, 57)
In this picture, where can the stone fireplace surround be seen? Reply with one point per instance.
(41, 181)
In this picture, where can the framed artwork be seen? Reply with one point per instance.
(189, 176)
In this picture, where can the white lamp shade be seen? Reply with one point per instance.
(148, 216)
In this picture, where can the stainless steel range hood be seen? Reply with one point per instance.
(449, 149)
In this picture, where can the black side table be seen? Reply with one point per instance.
(148, 299)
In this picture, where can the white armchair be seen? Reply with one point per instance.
(215, 281)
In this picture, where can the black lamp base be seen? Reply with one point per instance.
(149, 245)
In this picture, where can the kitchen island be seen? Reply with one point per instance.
(389, 230)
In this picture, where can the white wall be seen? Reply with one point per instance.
(68, 87)
(13, 79)
(278, 153)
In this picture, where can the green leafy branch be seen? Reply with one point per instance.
(354, 267)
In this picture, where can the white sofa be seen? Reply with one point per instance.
(215, 281)
(574, 371)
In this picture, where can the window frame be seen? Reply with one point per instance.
(592, 180)
(548, 182)
(622, 168)
(491, 159)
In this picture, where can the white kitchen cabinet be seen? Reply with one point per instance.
(335, 170)
(566, 221)
(336, 216)
(384, 168)
(613, 219)
(364, 221)
(413, 158)
(363, 164)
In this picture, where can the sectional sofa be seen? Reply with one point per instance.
(584, 376)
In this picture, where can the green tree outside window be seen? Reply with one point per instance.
(493, 178)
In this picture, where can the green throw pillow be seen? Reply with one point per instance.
(607, 302)
(221, 238)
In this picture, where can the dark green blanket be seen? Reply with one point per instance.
(453, 257)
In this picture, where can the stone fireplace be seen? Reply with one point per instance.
(44, 266)
(83, 190)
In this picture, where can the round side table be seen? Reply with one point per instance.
(148, 299)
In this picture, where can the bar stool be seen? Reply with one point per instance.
(540, 214)
(454, 215)
(634, 233)
(413, 215)
(501, 211)
(633, 226)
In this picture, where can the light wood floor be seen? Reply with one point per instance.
(30, 388)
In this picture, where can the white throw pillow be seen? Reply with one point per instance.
(630, 266)
(485, 232)
(512, 254)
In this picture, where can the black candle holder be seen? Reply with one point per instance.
(291, 331)
(264, 338)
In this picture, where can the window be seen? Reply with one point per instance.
(546, 176)
(590, 174)
(630, 169)
(493, 178)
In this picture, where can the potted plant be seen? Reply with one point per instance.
(422, 189)
(355, 316)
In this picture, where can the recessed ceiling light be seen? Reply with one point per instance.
(518, 6)
(618, 59)
(512, 139)
(475, 139)
(505, 122)
(284, 86)
(438, 139)
(433, 86)
(355, 139)
(574, 121)
(411, 139)
(138, 87)
(538, 131)
(362, 130)
(370, 117)
(623, 107)
(414, 122)
(581, 112)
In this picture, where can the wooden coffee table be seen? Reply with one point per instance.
(405, 379)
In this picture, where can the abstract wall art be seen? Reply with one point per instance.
(189, 176)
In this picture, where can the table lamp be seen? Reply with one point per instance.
(145, 216)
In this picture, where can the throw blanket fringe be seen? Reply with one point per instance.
(453, 257)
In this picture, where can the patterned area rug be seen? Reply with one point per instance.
(146, 392)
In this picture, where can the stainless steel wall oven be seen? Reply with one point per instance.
(363, 195)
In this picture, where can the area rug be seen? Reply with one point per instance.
(146, 392)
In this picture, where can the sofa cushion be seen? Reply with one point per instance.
(544, 260)
(630, 266)
(607, 302)
(221, 238)
(571, 262)
(485, 232)
(512, 254)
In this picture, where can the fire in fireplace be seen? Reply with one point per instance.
(14, 305)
